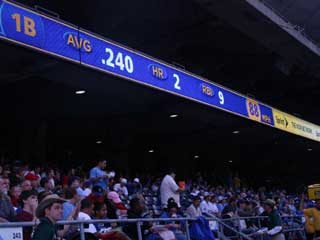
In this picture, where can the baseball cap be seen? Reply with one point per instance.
(124, 180)
(114, 197)
(30, 176)
(136, 180)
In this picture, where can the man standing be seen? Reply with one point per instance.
(98, 176)
(170, 189)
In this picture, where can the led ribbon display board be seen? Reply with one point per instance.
(26, 27)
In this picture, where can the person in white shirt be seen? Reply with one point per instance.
(170, 189)
(204, 206)
(121, 187)
(193, 210)
(213, 208)
(86, 211)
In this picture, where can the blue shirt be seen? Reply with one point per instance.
(67, 208)
(97, 172)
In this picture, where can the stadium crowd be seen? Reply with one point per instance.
(48, 195)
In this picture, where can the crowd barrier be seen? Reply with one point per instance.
(221, 223)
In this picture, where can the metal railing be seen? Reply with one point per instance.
(222, 225)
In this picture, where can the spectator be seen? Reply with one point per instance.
(205, 205)
(170, 189)
(194, 210)
(136, 210)
(98, 176)
(172, 212)
(73, 200)
(121, 188)
(34, 179)
(86, 211)
(26, 185)
(213, 208)
(29, 202)
(49, 211)
(45, 185)
(274, 223)
(7, 212)
(114, 197)
(14, 195)
(135, 187)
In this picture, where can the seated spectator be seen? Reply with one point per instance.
(45, 185)
(75, 182)
(34, 179)
(136, 210)
(205, 205)
(194, 210)
(15, 192)
(100, 212)
(121, 187)
(213, 208)
(29, 202)
(49, 211)
(86, 213)
(73, 199)
(114, 197)
(135, 187)
(97, 194)
(7, 212)
(26, 185)
(172, 212)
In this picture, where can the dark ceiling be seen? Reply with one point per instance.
(37, 93)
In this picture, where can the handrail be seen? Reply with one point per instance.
(138, 221)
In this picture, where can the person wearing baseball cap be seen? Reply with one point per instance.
(274, 220)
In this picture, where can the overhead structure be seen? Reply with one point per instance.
(26, 27)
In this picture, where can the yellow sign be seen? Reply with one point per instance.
(295, 125)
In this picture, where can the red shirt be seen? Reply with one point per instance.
(24, 216)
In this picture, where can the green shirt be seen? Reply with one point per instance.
(46, 230)
(274, 219)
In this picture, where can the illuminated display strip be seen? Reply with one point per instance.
(28, 28)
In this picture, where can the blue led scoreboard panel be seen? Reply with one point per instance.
(26, 27)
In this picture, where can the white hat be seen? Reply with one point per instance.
(136, 180)
(124, 181)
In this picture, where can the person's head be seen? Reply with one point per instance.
(74, 181)
(213, 199)
(29, 200)
(34, 179)
(196, 201)
(172, 209)
(26, 185)
(206, 196)
(137, 205)
(171, 172)
(269, 205)
(114, 197)
(123, 182)
(100, 210)
(242, 204)
(136, 181)
(15, 191)
(102, 163)
(46, 184)
(87, 206)
(4, 185)
(71, 194)
(50, 207)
